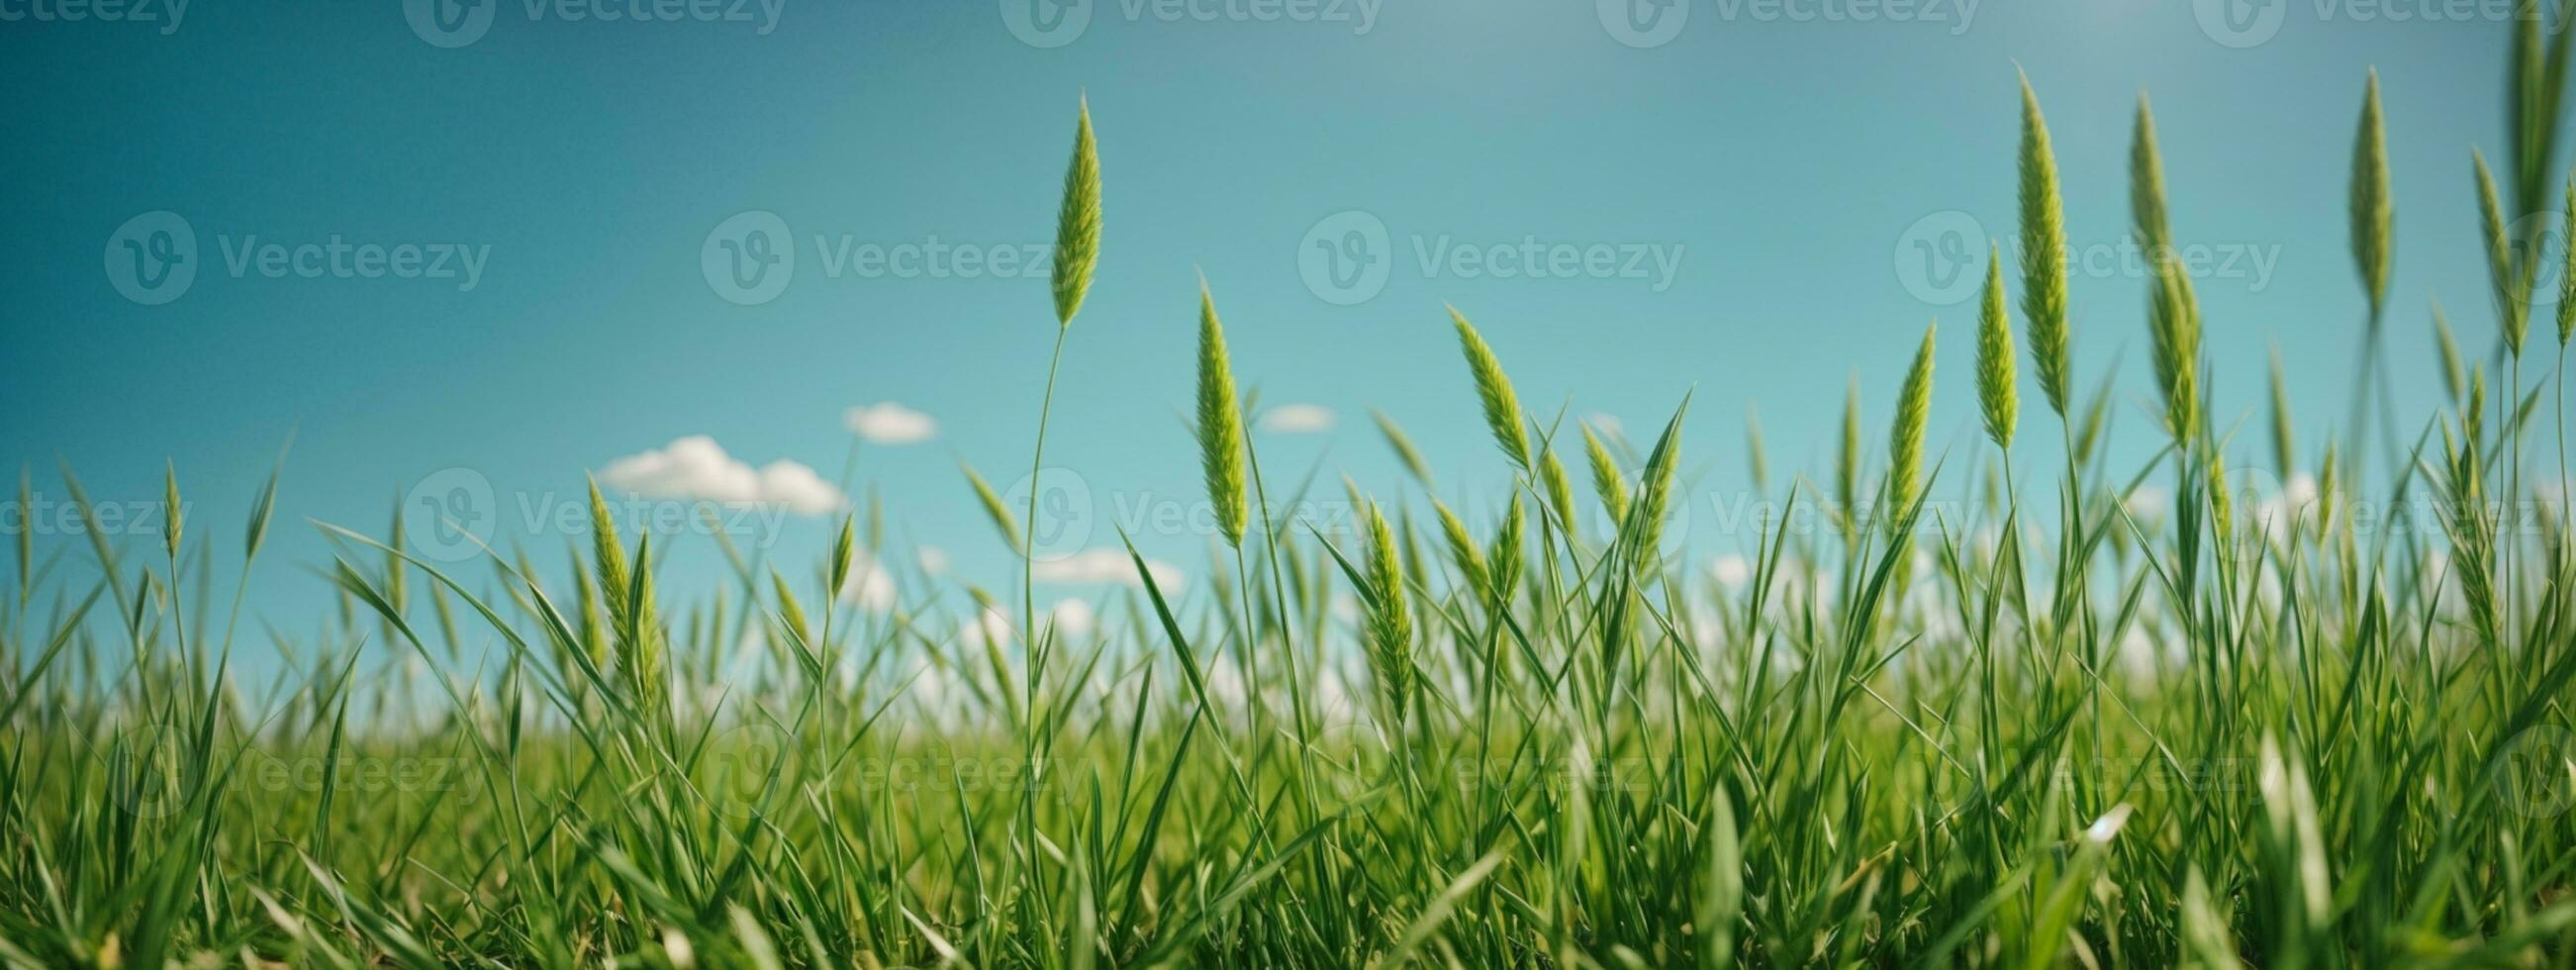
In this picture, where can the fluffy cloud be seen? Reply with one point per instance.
(889, 423)
(1073, 618)
(1095, 567)
(695, 467)
(934, 560)
(1731, 570)
(1297, 419)
(869, 585)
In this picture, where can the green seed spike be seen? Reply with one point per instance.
(1463, 552)
(2285, 451)
(594, 631)
(170, 509)
(1504, 557)
(1655, 495)
(1996, 394)
(789, 612)
(1606, 479)
(610, 558)
(641, 639)
(1560, 488)
(1403, 445)
(2567, 272)
(1847, 460)
(2147, 183)
(27, 536)
(1220, 425)
(2373, 212)
(2173, 319)
(844, 552)
(2043, 254)
(1905, 436)
(2455, 375)
(1757, 461)
(993, 507)
(2511, 311)
(1077, 224)
(1494, 391)
(1390, 620)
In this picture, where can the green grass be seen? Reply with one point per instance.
(2286, 732)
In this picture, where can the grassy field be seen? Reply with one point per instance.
(2315, 715)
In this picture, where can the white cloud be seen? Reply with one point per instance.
(934, 560)
(1101, 566)
(992, 626)
(695, 467)
(1732, 570)
(1073, 617)
(2147, 503)
(1297, 419)
(869, 585)
(889, 423)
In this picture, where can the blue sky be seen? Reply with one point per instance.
(1725, 203)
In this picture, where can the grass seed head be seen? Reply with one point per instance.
(2147, 183)
(2173, 320)
(1905, 436)
(2512, 311)
(2043, 254)
(1220, 425)
(1606, 478)
(170, 510)
(608, 555)
(1494, 392)
(1390, 620)
(1077, 223)
(2373, 214)
(1996, 395)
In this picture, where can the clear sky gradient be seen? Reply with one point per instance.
(1783, 192)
